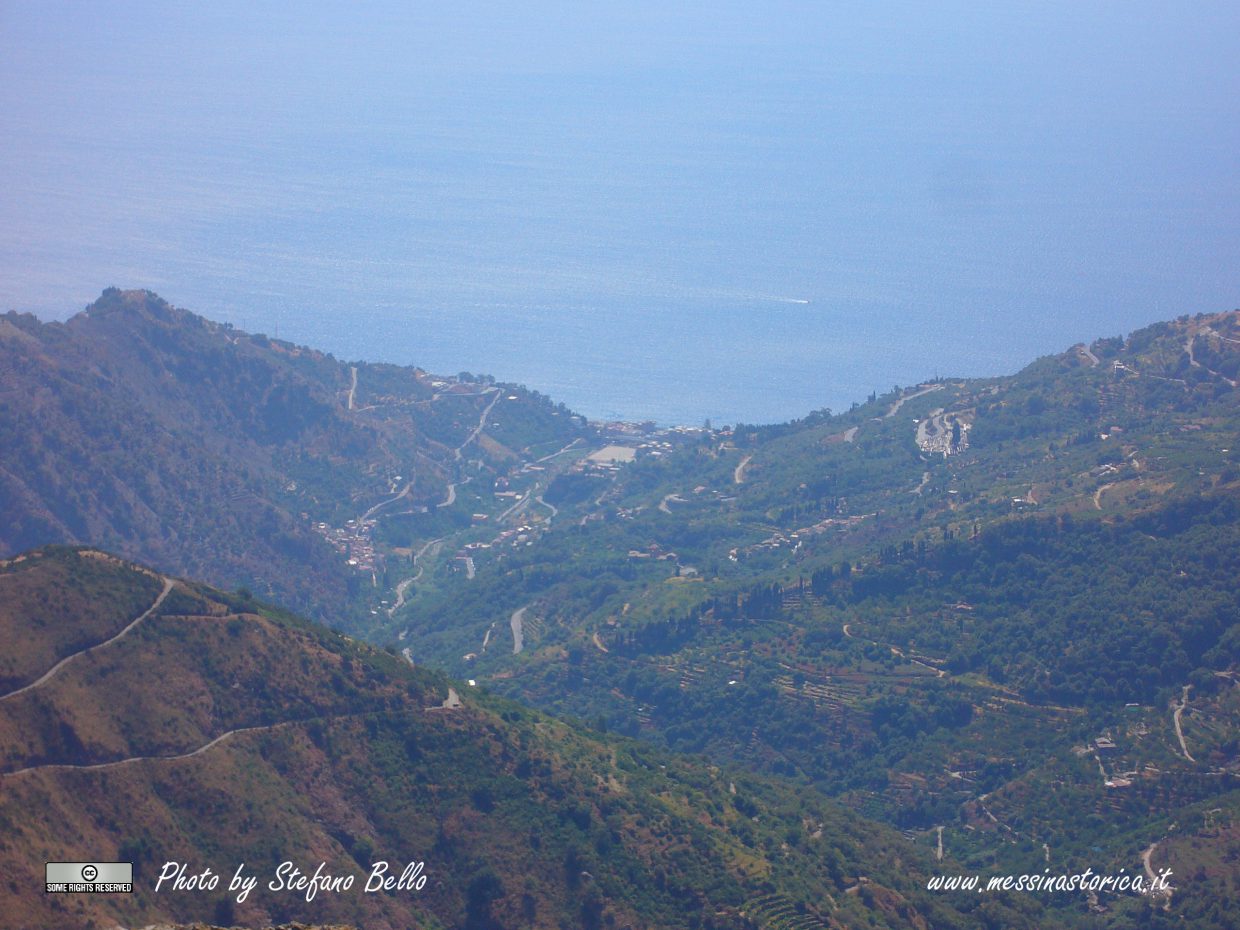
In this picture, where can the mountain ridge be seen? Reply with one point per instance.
(997, 614)
(267, 739)
(155, 432)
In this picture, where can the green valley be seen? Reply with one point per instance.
(997, 615)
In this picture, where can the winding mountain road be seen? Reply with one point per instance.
(673, 498)
(96, 766)
(555, 511)
(900, 402)
(1145, 860)
(482, 422)
(1098, 494)
(895, 651)
(1211, 331)
(391, 500)
(452, 702)
(167, 589)
(404, 585)
(1179, 712)
(116, 763)
(1192, 358)
(1163, 892)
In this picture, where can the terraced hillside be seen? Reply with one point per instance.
(168, 722)
(933, 605)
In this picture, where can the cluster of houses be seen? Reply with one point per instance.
(354, 542)
(770, 544)
(653, 551)
(464, 557)
(794, 541)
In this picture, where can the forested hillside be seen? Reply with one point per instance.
(998, 614)
(151, 431)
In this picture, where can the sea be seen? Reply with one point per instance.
(676, 212)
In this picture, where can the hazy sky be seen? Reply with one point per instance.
(1018, 175)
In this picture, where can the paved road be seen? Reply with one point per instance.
(1145, 860)
(132, 759)
(555, 511)
(672, 499)
(1162, 893)
(1211, 331)
(404, 585)
(907, 397)
(738, 476)
(168, 583)
(482, 422)
(1098, 495)
(352, 385)
(517, 622)
(557, 452)
(1179, 711)
(400, 593)
(897, 652)
(116, 763)
(517, 506)
(392, 500)
(1188, 347)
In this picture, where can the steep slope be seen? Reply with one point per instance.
(968, 605)
(213, 732)
(999, 614)
(1124, 427)
(150, 431)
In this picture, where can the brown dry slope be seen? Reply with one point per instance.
(225, 736)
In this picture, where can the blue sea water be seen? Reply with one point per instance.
(740, 212)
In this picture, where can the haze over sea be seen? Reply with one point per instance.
(646, 210)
